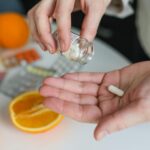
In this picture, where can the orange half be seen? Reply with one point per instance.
(28, 113)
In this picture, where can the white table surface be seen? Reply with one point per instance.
(72, 135)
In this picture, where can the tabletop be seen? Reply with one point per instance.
(70, 134)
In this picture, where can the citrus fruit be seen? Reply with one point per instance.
(28, 113)
(14, 30)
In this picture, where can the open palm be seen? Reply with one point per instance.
(85, 97)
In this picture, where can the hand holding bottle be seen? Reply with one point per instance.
(42, 14)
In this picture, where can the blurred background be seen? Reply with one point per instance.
(119, 33)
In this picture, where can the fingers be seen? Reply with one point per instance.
(73, 86)
(40, 15)
(34, 31)
(93, 15)
(85, 77)
(84, 113)
(120, 120)
(63, 18)
(48, 91)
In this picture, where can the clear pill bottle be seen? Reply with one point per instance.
(81, 50)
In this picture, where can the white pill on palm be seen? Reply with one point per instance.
(115, 90)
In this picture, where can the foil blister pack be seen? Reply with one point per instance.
(30, 77)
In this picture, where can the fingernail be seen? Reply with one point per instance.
(51, 52)
(101, 135)
(50, 48)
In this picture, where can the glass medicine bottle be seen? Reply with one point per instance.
(81, 50)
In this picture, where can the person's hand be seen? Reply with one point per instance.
(42, 14)
(85, 97)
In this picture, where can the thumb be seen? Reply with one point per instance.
(124, 118)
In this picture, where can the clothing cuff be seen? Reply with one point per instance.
(120, 8)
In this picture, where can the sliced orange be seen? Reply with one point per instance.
(28, 113)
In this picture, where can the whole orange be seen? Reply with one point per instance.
(14, 30)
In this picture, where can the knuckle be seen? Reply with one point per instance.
(38, 13)
(100, 7)
(38, 10)
(60, 30)
(57, 13)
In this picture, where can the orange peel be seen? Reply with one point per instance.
(29, 114)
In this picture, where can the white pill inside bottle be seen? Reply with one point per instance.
(81, 50)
